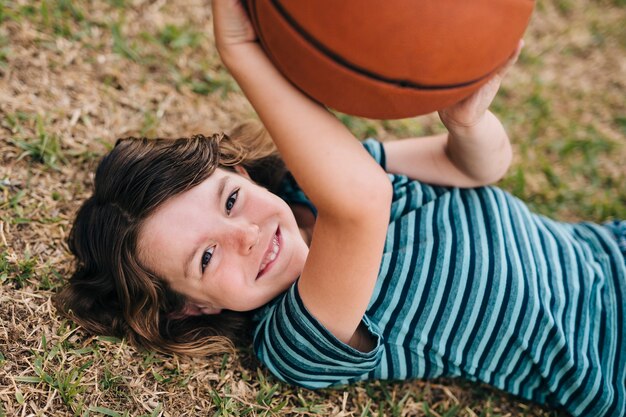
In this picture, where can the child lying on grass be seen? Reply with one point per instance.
(353, 261)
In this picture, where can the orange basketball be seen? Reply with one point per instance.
(389, 59)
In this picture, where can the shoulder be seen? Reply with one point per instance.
(297, 348)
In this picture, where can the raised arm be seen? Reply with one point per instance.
(349, 189)
(476, 150)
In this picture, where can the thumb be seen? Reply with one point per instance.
(512, 59)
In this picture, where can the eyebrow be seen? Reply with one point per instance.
(187, 266)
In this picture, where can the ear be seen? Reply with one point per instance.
(242, 171)
(193, 309)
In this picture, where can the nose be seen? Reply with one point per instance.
(246, 236)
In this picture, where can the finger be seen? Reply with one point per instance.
(515, 55)
(512, 59)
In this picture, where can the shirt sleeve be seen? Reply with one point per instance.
(299, 350)
(376, 149)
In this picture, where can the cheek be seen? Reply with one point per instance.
(229, 287)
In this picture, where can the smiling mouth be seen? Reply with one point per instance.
(270, 254)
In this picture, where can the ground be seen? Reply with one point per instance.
(75, 75)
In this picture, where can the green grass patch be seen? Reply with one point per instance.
(537, 111)
(176, 38)
(22, 271)
(16, 271)
(5, 50)
(620, 121)
(64, 18)
(42, 147)
(121, 45)
(53, 369)
(50, 279)
(207, 83)
(59, 16)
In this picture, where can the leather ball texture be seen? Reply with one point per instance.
(389, 59)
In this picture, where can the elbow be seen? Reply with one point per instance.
(494, 171)
(501, 165)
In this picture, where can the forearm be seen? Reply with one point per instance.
(482, 151)
(328, 162)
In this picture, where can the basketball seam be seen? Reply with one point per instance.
(355, 68)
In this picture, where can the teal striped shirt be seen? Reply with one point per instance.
(473, 285)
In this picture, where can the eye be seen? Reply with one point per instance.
(232, 199)
(206, 257)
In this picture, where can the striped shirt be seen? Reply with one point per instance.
(473, 285)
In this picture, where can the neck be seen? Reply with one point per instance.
(305, 220)
(306, 234)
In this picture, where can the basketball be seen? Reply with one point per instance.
(389, 59)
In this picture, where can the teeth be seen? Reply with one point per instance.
(272, 253)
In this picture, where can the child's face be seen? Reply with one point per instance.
(224, 244)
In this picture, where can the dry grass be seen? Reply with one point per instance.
(75, 75)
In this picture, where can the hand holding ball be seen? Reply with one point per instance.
(389, 59)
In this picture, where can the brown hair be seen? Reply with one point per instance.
(110, 292)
